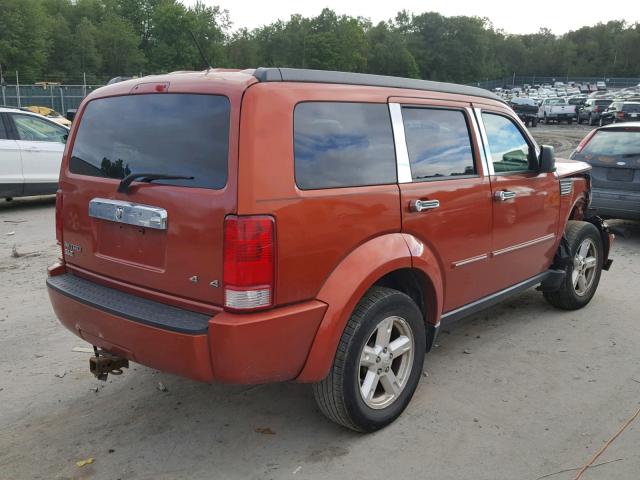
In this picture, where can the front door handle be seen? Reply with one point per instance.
(504, 195)
(423, 205)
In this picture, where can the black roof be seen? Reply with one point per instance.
(321, 76)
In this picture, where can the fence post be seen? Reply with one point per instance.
(18, 90)
(62, 102)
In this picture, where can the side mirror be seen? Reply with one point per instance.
(547, 160)
(71, 114)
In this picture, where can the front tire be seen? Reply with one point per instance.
(584, 270)
(378, 362)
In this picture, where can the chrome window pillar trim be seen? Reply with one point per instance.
(402, 153)
(483, 156)
(485, 140)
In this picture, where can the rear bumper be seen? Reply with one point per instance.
(616, 203)
(562, 116)
(249, 348)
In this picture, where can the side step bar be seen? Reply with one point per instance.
(550, 280)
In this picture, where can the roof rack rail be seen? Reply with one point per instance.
(264, 74)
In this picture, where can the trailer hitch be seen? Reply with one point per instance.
(105, 363)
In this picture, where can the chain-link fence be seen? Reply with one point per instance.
(520, 80)
(59, 97)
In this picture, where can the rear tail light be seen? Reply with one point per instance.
(585, 140)
(59, 218)
(249, 263)
(620, 114)
(596, 109)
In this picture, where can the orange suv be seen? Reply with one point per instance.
(295, 225)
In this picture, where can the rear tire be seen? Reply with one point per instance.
(534, 122)
(584, 270)
(378, 362)
(591, 121)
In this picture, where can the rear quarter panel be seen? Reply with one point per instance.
(315, 229)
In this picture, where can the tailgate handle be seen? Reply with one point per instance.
(130, 213)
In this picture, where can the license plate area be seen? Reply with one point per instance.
(130, 245)
(620, 174)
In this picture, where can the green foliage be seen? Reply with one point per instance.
(59, 40)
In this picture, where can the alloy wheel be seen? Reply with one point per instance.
(585, 264)
(385, 362)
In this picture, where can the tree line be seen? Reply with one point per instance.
(59, 40)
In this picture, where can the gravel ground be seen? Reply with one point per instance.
(563, 137)
(520, 391)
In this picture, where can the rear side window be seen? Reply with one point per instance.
(343, 145)
(167, 133)
(438, 143)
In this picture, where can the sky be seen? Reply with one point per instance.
(511, 16)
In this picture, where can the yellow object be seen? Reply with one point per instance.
(82, 463)
(50, 113)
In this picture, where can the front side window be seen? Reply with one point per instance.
(343, 145)
(509, 149)
(438, 143)
(36, 129)
(3, 131)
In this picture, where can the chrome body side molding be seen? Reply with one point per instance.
(467, 261)
(529, 243)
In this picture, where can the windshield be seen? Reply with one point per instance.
(169, 133)
(612, 143)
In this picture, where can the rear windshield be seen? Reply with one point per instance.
(603, 103)
(557, 101)
(631, 107)
(613, 143)
(168, 133)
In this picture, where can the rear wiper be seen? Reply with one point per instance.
(125, 183)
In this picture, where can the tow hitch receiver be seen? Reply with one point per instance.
(104, 363)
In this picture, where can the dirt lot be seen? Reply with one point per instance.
(520, 391)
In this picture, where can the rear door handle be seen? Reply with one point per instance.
(423, 205)
(504, 195)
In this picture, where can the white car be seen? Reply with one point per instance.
(31, 148)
